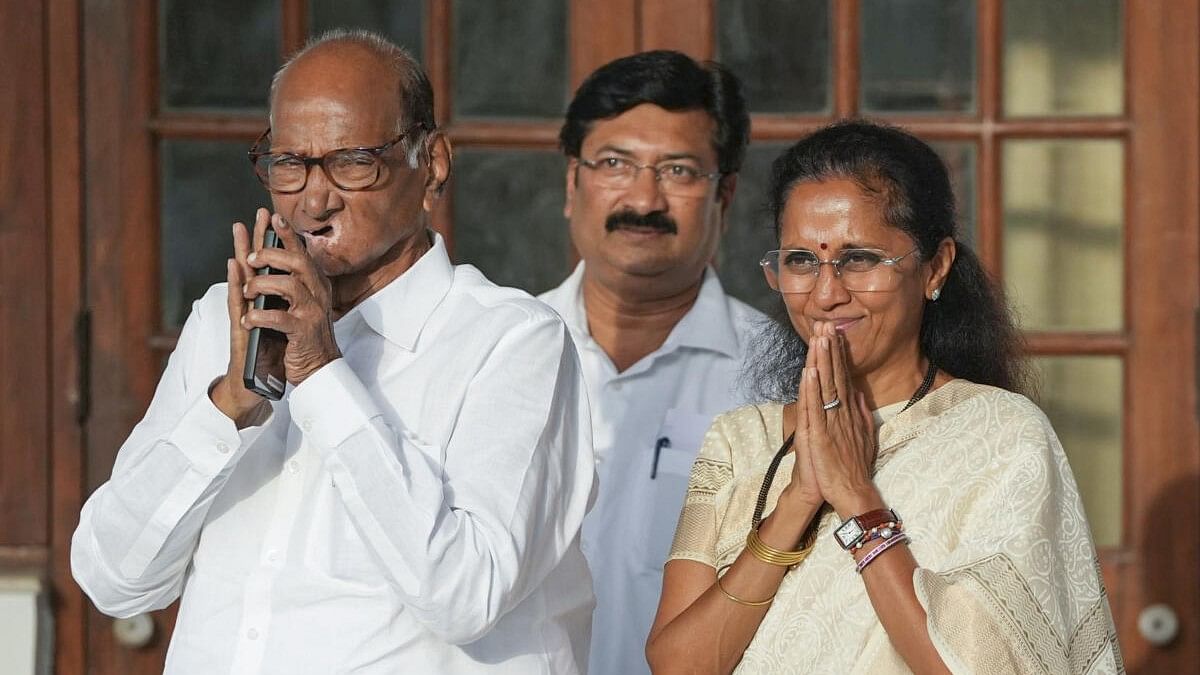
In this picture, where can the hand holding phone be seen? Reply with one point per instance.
(264, 371)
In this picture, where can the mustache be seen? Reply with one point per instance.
(655, 219)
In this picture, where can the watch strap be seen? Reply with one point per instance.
(865, 522)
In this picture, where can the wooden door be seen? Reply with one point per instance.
(42, 325)
(1061, 142)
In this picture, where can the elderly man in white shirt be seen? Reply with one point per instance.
(413, 503)
(654, 142)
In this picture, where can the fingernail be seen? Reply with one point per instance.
(245, 288)
(283, 222)
(252, 257)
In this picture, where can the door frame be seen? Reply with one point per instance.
(101, 69)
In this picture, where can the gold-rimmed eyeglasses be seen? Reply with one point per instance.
(860, 269)
(347, 168)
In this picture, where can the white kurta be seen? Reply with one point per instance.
(648, 423)
(414, 506)
(1007, 570)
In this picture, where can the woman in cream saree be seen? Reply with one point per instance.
(983, 561)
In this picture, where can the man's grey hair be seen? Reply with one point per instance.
(413, 88)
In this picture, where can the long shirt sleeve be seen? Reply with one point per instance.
(138, 531)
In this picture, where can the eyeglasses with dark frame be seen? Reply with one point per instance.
(347, 168)
(860, 269)
(675, 178)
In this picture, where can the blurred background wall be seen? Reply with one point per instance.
(1070, 127)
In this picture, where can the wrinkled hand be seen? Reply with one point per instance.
(229, 394)
(308, 320)
(841, 440)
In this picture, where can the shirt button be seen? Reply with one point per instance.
(223, 448)
(306, 425)
(616, 386)
(293, 467)
(252, 634)
(272, 556)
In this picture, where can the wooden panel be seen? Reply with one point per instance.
(682, 25)
(600, 31)
(67, 402)
(439, 38)
(24, 242)
(209, 126)
(294, 26)
(479, 133)
(787, 127)
(1076, 343)
(1163, 440)
(122, 214)
(121, 209)
(988, 217)
(846, 28)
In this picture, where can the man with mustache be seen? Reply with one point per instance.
(654, 142)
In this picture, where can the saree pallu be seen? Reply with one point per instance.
(1007, 570)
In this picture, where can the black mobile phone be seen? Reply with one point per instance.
(264, 373)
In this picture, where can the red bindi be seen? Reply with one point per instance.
(824, 246)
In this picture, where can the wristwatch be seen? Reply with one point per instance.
(855, 527)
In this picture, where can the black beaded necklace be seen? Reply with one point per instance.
(810, 534)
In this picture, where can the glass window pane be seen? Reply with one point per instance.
(1063, 248)
(1063, 57)
(398, 20)
(218, 54)
(918, 56)
(510, 58)
(206, 187)
(750, 233)
(959, 157)
(780, 51)
(508, 216)
(1082, 397)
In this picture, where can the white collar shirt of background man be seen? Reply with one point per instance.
(648, 423)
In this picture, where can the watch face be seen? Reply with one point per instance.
(848, 533)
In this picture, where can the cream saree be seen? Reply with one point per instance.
(1007, 569)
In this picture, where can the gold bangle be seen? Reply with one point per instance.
(774, 556)
(746, 603)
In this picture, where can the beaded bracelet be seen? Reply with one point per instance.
(884, 531)
(731, 596)
(879, 550)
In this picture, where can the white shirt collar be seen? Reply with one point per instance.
(419, 290)
(707, 325)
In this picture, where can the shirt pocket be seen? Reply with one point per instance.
(335, 550)
(674, 450)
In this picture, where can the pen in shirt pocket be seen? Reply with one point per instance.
(662, 442)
